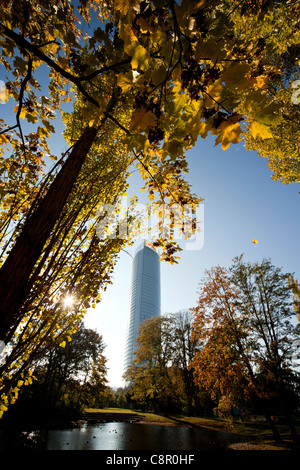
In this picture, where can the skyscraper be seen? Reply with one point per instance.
(144, 295)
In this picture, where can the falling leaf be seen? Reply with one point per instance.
(254, 241)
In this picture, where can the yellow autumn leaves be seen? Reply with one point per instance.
(124, 6)
(190, 112)
(138, 53)
(11, 396)
(141, 120)
(228, 132)
(258, 129)
(237, 88)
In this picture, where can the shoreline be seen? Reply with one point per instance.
(236, 446)
(159, 423)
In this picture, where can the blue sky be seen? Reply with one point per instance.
(242, 202)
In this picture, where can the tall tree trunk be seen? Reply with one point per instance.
(15, 273)
(273, 427)
(291, 425)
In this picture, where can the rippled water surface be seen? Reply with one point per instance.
(122, 436)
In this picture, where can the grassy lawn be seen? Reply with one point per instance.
(148, 417)
(253, 433)
(108, 410)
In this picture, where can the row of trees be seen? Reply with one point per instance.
(142, 81)
(65, 379)
(235, 349)
(159, 375)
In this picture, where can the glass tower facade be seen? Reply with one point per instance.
(144, 295)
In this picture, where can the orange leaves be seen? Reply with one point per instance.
(4, 141)
(230, 325)
(217, 329)
(228, 132)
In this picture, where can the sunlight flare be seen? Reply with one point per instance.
(69, 300)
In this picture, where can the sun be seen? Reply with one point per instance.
(69, 300)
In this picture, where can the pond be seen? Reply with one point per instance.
(118, 436)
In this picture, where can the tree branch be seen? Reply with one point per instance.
(106, 68)
(24, 44)
(21, 94)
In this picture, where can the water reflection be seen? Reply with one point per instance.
(118, 436)
(121, 436)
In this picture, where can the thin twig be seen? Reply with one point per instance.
(21, 95)
(9, 129)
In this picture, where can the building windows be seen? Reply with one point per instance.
(145, 295)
